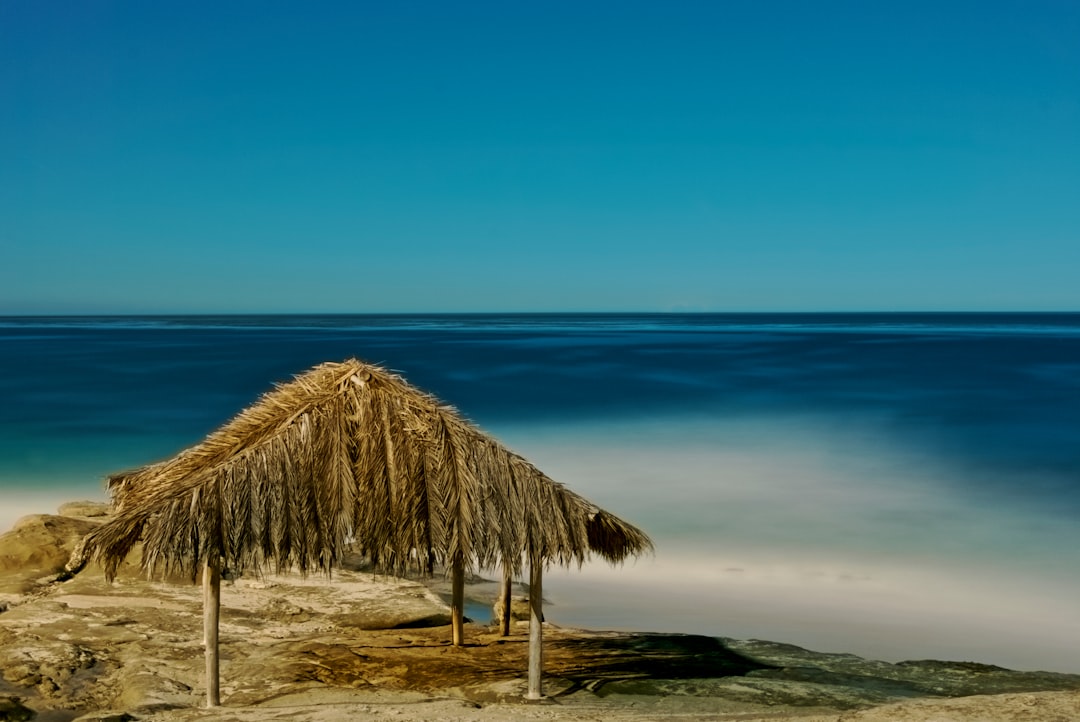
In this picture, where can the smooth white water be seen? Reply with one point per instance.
(817, 532)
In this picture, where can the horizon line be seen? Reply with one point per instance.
(220, 314)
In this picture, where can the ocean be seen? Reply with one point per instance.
(898, 486)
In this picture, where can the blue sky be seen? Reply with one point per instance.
(400, 157)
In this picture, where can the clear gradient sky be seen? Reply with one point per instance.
(539, 156)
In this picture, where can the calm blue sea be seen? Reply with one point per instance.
(896, 485)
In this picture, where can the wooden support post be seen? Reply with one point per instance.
(536, 630)
(457, 601)
(211, 615)
(504, 599)
(205, 600)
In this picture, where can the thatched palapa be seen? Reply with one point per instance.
(349, 455)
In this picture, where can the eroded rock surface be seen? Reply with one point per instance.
(137, 644)
(37, 546)
(519, 610)
(85, 509)
(134, 647)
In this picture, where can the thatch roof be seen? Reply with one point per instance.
(350, 455)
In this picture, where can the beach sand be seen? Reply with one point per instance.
(1041, 707)
(364, 646)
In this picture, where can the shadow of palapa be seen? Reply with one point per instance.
(421, 660)
(594, 660)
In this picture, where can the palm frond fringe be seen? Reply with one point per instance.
(349, 455)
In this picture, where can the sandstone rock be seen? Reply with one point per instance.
(151, 690)
(105, 716)
(875, 679)
(85, 509)
(12, 710)
(1028, 707)
(49, 666)
(135, 646)
(348, 600)
(519, 610)
(38, 546)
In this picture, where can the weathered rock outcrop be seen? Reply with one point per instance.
(134, 648)
(85, 509)
(38, 546)
(12, 709)
(519, 610)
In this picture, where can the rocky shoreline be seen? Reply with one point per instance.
(367, 646)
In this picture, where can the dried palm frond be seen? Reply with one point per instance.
(349, 454)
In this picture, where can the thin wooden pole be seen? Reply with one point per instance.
(536, 630)
(211, 616)
(457, 601)
(504, 599)
(206, 598)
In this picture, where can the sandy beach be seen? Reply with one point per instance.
(1044, 707)
(364, 646)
